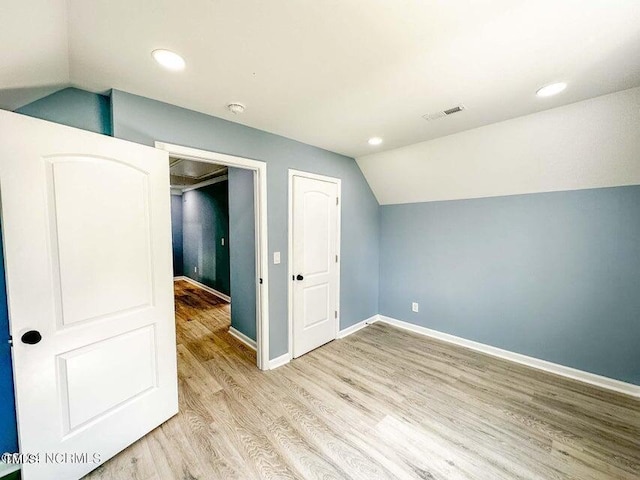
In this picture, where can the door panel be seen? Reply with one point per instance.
(97, 378)
(317, 304)
(317, 228)
(106, 216)
(88, 265)
(315, 216)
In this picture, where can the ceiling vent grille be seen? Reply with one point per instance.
(444, 113)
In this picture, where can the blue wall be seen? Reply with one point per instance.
(555, 276)
(205, 222)
(8, 433)
(242, 251)
(73, 107)
(144, 121)
(176, 234)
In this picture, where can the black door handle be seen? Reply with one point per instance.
(31, 337)
(299, 277)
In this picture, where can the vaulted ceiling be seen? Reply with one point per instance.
(330, 73)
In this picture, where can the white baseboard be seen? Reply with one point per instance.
(575, 374)
(6, 469)
(358, 326)
(243, 338)
(279, 361)
(218, 294)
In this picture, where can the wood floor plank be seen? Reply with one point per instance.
(382, 403)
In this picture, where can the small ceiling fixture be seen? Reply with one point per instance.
(375, 141)
(444, 113)
(552, 89)
(168, 59)
(236, 108)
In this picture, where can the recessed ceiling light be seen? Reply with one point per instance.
(553, 89)
(375, 141)
(168, 59)
(236, 108)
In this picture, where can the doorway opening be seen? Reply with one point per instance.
(218, 209)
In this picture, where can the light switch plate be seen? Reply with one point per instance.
(276, 258)
(414, 307)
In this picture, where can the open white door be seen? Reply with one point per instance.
(88, 264)
(315, 217)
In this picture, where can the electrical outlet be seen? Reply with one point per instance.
(414, 307)
(276, 258)
(195, 269)
(222, 241)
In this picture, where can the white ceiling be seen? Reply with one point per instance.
(588, 144)
(34, 54)
(331, 73)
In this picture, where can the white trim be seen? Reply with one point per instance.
(313, 176)
(207, 288)
(279, 361)
(290, 273)
(206, 183)
(262, 251)
(238, 335)
(345, 332)
(568, 372)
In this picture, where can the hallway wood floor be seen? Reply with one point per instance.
(380, 404)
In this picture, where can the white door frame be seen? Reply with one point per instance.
(260, 206)
(290, 273)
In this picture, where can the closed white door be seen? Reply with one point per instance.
(87, 235)
(315, 263)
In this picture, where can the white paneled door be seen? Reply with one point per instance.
(315, 263)
(88, 263)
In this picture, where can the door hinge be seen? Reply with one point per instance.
(10, 341)
(336, 258)
(337, 201)
(335, 314)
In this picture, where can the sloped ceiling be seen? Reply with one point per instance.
(590, 144)
(330, 73)
(34, 53)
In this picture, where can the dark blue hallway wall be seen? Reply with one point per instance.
(176, 235)
(205, 236)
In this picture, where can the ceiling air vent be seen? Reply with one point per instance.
(444, 113)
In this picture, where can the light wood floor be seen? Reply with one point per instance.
(381, 404)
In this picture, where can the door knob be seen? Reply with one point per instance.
(31, 337)
(299, 277)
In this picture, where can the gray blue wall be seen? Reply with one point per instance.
(176, 234)
(73, 107)
(555, 276)
(551, 275)
(144, 121)
(242, 251)
(205, 222)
